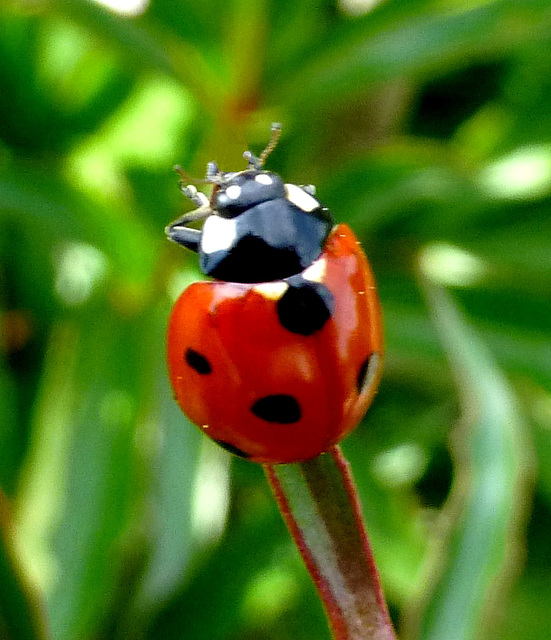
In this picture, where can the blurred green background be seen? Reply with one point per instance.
(426, 125)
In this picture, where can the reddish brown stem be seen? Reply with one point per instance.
(319, 503)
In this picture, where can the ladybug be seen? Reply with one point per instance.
(278, 357)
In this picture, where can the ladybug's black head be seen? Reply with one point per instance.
(241, 191)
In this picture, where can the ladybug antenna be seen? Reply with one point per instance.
(185, 178)
(258, 163)
(214, 175)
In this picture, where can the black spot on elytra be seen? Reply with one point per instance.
(198, 362)
(232, 449)
(363, 373)
(279, 408)
(305, 307)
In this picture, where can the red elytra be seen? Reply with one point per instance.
(264, 392)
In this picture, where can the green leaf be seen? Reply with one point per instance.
(69, 87)
(79, 490)
(152, 46)
(49, 210)
(175, 468)
(489, 497)
(9, 435)
(21, 610)
(365, 52)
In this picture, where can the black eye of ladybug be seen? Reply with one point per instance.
(245, 190)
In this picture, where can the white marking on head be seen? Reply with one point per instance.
(263, 178)
(316, 271)
(218, 234)
(233, 191)
(300, 198)
(271, 290)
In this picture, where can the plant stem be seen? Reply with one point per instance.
(319, 503)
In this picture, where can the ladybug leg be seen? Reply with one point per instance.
(178, 231)
(198, 198)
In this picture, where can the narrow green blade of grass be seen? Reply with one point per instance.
(175, 467)
(79, 489)
(477, 558)
(21, 614)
